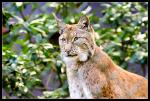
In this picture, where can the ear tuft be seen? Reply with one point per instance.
(84, 22)
(60, 24)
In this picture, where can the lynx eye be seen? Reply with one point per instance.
(63, 39)
(76, 38)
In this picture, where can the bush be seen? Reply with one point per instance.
(30, 48)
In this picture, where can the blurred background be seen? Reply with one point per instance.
(31, 64)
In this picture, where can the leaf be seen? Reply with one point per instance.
(32, 73)
(39, 30)
(53, 4)
(34, 57)
(38, 21)
(47, 60)
(20, 20)
(87, 10)
(18, 4)
(38, 38)
(47, 46)
(106, 5)
(24, 70)
(34, 46)
(25, 89)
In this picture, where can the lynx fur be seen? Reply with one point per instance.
(91, 72)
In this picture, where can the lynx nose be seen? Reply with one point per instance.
(67, 48)
(68, 53)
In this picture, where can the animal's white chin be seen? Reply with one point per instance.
(83, 57)
(70, 59)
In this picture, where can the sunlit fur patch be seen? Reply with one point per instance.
(83, 57)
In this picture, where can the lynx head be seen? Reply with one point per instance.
(77, 40)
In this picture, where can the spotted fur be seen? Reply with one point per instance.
(91, 72)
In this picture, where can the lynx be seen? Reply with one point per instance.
(90, 71)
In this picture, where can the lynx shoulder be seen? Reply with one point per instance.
(91, 72)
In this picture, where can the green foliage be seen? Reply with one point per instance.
(22, 72)
(124, 39)
(58, 93)
(128, 32)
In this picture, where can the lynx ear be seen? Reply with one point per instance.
(60, 24)
(84, 23)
